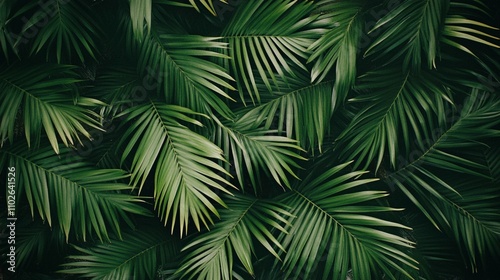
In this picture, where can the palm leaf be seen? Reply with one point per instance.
(63, 188)
(253, 149)
(24, 89)
(335, 223)
(140, 11)
(180, 64)
(210, 5)
(469, 214)
(393, 105)
(302, 111)
(67, 27)
(339, 45)
(246, 219)
(271, 37)
(413, 29)
(458, 29)
(182, 159)
(138, 255)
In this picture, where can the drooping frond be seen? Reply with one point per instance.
(339, 45)
(459, 30)
(184, 174)
(79, 197)
(43, 96)
(246, 219)
(179, 63)
(68, 27)
(268, 38)
(254, 149)
(390, 118)
(302, 111)
(413, 30)
(335, 222)
(468, 213)
(138, 255)
(140, 12)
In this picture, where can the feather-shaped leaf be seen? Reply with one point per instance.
(138, 255)
(246, 219)
(185, 177)
(63, 188)
(24, 91)
(330, 207)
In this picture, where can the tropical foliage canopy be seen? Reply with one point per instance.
(251, 139)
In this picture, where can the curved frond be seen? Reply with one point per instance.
(246, 219)
(270, 37)
(138, 255)
(393, 105)
(79, 197)
(469, 214)
(67, 27)
(458, 29)
(25, 99)
(339, 45)
(412, 30)
(253, 149)
(335, 222)
(185, 174)
(302, 111)
(180, 64)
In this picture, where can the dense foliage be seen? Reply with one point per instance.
(252, 139)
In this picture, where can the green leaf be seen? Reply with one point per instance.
(26, 100)
(412, 30)
(210, 255)
(185, 175)
(335, 222)
(253, 149)
(63, 188)
(268, 39)
(138, 255)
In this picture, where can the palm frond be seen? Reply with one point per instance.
(140, 11)
(210, 5)
(335, 222)
(469, 214)
(412, 30)
(302, 111)
(271, 37)
(180, 64)
(253, 149)
(181, 159)
(25, 100)
(67, 27)
(246, 219)
(392, 106)
(458, 29)
(81, 198)
(339, 45)
(138, 255)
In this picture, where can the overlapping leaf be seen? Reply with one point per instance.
(184, 174)
(254, 149)
(347, 235)
(269, 39)
(412, 30)
(138, 255)
(179, 63)
(67, 191)
(467, 212)
(302, 111)
(67, 27)
(390, 120)
(246, 219)
(37, 96)
(339, 45)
